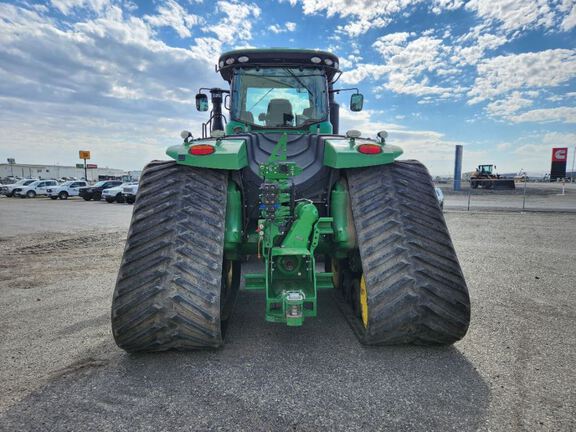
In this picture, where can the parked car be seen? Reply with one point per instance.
(130, 192)
(65, 190)
(115, 194)
(95, 192)
(9, 189)
(35, 188)
(440, 196)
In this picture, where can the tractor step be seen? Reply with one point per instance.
(254, 281)
(324, 280)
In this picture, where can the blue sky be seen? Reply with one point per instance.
(119, 77)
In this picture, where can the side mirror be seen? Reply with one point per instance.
(201, 102)
(356, 102)
(262, 116)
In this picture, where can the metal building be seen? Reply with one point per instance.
(58, 171)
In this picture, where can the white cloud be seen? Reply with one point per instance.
(171, 14)
(478, 44)
(514, 14)
(68, 6)
(287, 27)
(509, 105)
(544, 115)
(569, 21)
(237, 22)
(408, 66)
(499, 75)
(364, 14)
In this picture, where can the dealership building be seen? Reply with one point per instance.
(59, 171)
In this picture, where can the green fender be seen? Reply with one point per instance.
(229, 154)
(343, 153)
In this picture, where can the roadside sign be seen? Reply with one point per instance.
(84, 154)
(559, 159)
(91, 166)
(559, 154)
(79, 165)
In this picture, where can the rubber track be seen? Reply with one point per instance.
(416, 290)
(167, 293)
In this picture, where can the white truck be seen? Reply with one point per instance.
(66, 189)
(130, 192)
(35, 188)
(8, 189)
(114, 194)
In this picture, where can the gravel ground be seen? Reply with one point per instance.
(60, 369)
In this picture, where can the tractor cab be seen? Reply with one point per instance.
(485, 169)
(277, 90)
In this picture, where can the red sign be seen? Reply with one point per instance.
(91, 166)
(559, 154)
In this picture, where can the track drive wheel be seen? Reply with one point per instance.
(411, 288)
(175, 290)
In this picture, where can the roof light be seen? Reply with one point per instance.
(230, 60)
(243, 59)
(185, 134)
(353, 133)
(221, 63)
(369, 148)
(316, 60)
(201, 150)
(328, 61)
(336, 65)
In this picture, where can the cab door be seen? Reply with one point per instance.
(74, 188)
(40, 188)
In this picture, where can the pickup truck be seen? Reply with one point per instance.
(130, 192)
(36, 188)
(8, 189)
(66, 189)
(115, 194)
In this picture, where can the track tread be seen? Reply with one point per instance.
(167, 294)
(416, 291)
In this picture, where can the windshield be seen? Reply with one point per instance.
(279, 97)
(100, 183)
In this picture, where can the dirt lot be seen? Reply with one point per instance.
(60, 369)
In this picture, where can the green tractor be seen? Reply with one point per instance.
(278, 183)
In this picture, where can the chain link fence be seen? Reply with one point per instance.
(527, 196)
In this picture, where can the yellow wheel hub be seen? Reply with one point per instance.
(335, 274)
(229, 274)
(363, 301)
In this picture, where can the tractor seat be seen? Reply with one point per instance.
(279, 113)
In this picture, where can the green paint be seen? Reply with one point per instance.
(233, 230)
(343, 153)
(229, 154)
(344, 238)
